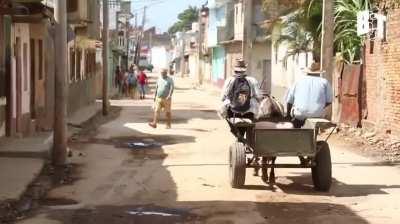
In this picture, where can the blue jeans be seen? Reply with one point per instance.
(142, 89)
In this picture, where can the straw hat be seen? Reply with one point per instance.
(315, 68)
(240, 65)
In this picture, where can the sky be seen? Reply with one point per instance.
(162, 13)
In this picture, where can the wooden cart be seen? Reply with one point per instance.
(263, 142)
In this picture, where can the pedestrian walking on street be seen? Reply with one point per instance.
(117, 76)
(163, 98)
(125, 83)
(132, 83)
(142, 79)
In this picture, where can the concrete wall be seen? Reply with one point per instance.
(216, 19)
(81, 94)
(260, 52)
(285, 74)
(233, 52)
(218, 66)
(193, 67)
(159, 57)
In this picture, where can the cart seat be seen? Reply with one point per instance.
(241, 122)
(273, 125)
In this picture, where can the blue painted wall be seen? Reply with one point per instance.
(218, 65)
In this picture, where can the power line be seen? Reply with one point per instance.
(154, 2)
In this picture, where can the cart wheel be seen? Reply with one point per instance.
(237, 164)
(322, 171)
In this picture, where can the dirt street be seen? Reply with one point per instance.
(183, 177)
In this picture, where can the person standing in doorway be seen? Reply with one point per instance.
(142, 79)
(163, 98)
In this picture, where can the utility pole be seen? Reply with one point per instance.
(141, 35)
(247, 33)
(327, 48)
(200, 48)
(127, 41)
(136, 39)
(327, 39)
(59, 155)
(105, 57)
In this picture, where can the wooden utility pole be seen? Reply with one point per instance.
(247, 33)
(127, 40)
(199, 48)
(141, 35)
(59, 155)
(105, 57)
(327, 39)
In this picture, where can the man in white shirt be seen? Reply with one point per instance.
(309, 97)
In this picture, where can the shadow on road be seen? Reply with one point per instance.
(137, 187)
(216, 212)
(302, 185)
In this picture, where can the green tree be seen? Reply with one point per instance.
(301, 27)
(347, 42)
(185, 20)
(306, 16)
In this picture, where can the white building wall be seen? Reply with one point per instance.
(284, 76)
(159, 57)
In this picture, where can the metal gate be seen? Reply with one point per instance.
(350, 95)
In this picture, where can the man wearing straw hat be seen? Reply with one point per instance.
(308, 97)
(236, 102)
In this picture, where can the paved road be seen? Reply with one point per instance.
(185, 179)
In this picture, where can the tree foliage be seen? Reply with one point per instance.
(185, 20)
(301, 29)
(347, 42)
(306, 22)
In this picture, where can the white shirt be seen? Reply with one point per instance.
(309, 97)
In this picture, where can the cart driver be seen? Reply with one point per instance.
(308, 97)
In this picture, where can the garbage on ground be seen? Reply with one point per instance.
(142, 213)
(142, 145)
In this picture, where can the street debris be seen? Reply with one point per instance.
(382, 145)
(141, 145)
(140, 213)
(209, 185)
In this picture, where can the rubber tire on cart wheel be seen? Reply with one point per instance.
(237, 164)
(322, 171)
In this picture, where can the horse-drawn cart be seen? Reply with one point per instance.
(259, 144)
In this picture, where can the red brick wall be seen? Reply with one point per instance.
(383, 78)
